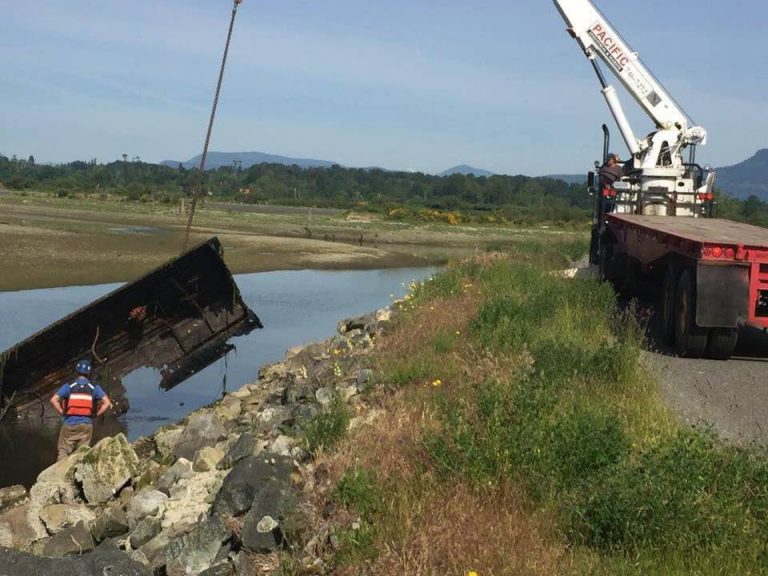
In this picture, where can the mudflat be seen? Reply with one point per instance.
(47, 241)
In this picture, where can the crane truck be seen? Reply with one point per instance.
(656, 226)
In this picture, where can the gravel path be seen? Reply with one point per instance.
(730, 395)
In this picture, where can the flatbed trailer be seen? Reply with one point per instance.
(713, 274)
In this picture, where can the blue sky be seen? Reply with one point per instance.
(411, 85)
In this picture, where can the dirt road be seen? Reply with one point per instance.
(730, 395)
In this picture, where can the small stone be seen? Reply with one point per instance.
(145, 530)
(12, 495)
(198, 550)
(154, 550)
(207, 459)
(203, 429)
(182, 468)
(74, 540)
(145, 448)
(346, 391)
(110, 523)
(282, 445)
(324, 396)
(364, 377)
(229, 408)
(166, 438)
(17, 529)
(267, 524)
(58, 516)
(151, 475)
(146, 502)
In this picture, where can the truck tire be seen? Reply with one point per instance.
(604, 261)
(722, 342)
(669, 305)
(690, 338)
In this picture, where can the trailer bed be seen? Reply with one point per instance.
(700, 230)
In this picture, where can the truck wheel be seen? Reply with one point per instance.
(605, 261)
(722, 342)
(669, 305)
(690, 339)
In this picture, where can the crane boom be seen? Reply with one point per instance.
(598, 38)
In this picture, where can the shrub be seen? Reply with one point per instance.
(358, 490)
(328, 427)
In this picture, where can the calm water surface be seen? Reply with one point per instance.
(296, 307)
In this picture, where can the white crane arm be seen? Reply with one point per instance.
(598, 38)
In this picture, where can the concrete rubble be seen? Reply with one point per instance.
(210, 495)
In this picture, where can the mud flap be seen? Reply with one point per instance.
(722, 295)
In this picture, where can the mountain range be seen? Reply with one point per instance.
(740, 180)
(746, 178)
(247, 159)
(465, 170)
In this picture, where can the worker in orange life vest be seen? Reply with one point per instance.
(75, 402)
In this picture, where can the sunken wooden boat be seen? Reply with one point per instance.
(176, 319)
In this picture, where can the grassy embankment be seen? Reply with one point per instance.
(520, 435)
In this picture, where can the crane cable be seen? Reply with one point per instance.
(201, 171)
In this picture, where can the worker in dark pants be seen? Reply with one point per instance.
(609, 173)
(76, 402)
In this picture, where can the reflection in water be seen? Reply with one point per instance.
(296, 307)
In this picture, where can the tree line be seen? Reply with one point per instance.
(519, 198)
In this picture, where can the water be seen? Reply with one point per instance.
(296, 307)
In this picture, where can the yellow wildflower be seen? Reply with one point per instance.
(437, 382)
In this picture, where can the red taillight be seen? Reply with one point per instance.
(717, 251)
(707, 252)
(730, 253)
(706, 196)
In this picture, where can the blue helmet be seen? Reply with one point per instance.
(83, 367)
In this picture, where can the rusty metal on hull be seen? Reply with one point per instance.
(176, 319)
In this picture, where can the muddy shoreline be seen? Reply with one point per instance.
(51, 242)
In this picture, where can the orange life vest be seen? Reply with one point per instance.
(80, 400)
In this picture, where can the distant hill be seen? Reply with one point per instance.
(464, 169)
(569, 178)
(746, 178)
(247, 159)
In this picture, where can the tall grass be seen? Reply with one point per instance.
(541, 389)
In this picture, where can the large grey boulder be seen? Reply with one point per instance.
(242, 484)
(101, 562)
(199, 549)
(262, 532)
(11, 495)
(109, 466)
(203, 429)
